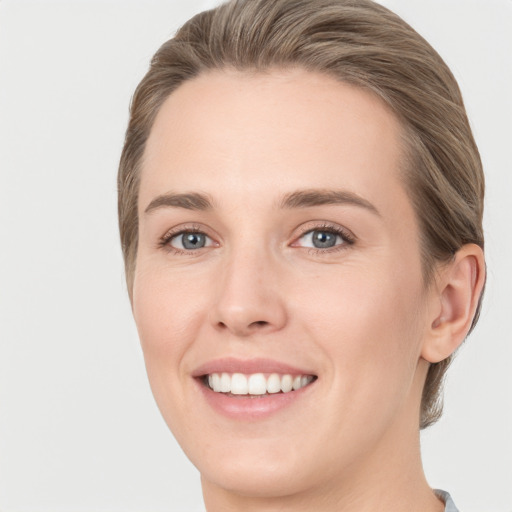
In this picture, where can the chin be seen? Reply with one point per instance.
(260, 478)
(265, 467)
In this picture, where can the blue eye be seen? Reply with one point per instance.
(324, 239)
(189, 240)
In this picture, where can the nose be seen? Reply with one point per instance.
(249, 298)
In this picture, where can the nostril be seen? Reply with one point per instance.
(259, 323)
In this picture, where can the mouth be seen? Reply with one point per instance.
(253, 389)
(255, 384)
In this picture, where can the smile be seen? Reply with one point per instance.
(256, 384)
(253, 389)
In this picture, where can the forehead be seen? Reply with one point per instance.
(237, 131)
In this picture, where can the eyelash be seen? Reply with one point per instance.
(345, 235)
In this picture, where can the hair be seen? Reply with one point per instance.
(357, 42)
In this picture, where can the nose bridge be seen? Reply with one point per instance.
(248, 298)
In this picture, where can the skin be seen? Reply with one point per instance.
(358, 315)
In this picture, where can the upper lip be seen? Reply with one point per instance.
(248, 366)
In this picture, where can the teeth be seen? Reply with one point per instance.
(286, 383)
(225, 383)
(216, 382)
(257, 383)
(239, 384)
(274, 383)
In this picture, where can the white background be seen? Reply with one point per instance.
(79, 430)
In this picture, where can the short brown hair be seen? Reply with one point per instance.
(355, 41)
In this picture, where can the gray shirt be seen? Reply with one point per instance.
(448, 502)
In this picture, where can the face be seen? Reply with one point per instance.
(279, 264)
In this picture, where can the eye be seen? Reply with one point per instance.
(189, 240)
(320, 239)
(331, 237)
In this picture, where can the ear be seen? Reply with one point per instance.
(454, 299)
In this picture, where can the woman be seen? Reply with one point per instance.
(300, 203)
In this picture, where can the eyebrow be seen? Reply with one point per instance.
(189, 201)
(318, 197)
(298, 199)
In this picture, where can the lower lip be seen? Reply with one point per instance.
(251, 407)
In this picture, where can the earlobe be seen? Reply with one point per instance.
(457, 293)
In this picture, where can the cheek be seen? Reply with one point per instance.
(168, 315)
(369, 324)
(164, 307)
(166, 312)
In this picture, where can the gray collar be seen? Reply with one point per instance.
(448, 502)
